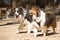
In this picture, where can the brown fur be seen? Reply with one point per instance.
(53, 25)
(50, 22)
(34, 10)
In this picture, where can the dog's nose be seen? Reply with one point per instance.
(34, 17)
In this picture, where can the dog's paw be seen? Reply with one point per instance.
(17, 31)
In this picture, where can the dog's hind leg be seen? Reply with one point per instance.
(44, 29)
(54, 25)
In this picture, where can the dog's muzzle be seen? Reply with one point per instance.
(17, 16)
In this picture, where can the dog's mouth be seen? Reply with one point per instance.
(16, 16)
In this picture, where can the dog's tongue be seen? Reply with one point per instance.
(17, 16)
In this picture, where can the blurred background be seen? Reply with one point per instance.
(47, 5)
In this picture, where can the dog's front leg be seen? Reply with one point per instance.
(29, 27)
(35, 32)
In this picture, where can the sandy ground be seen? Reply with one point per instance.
(8, 32)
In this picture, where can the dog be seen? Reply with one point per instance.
(34, 16)
(26, 20)
(18, 13)
(45, 19)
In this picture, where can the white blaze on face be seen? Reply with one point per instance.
(34, 17)
(16, 11)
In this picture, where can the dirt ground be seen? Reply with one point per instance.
(8, 32)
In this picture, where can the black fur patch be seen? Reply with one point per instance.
(49, 19)
(28, 17)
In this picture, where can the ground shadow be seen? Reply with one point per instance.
(26, 32)
(8, 24)
(22, 32)
(48, 34)
(30, 32)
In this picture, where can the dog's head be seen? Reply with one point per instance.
(34, 11)
(18, 11)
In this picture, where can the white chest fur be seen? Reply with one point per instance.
(41, 18)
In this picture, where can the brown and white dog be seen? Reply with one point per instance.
(46, 20)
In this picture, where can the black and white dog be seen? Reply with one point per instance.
(26, 19)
